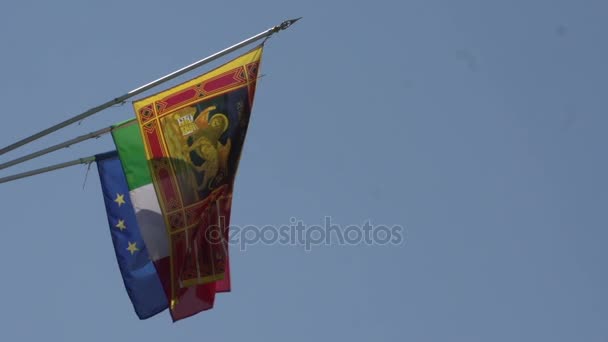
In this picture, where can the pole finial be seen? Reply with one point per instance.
(286, 24)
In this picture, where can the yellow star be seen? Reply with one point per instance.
(120, 199)
(121, 225)
(132, 247)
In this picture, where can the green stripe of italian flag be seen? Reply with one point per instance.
(130, 147)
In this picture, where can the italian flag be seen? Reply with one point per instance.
(130, 147)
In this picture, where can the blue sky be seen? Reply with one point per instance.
(478, 126)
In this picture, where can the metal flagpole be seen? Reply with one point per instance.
(65, 144)
(118, 100)
(47, 169)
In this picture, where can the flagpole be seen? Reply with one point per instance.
(86, 160)
(120, 99)
(65, 144)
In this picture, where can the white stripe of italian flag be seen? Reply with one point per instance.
(130, 146)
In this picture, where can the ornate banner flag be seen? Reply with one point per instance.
(138, 273)
(192, 136)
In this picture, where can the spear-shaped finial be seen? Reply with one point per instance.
(285, 25)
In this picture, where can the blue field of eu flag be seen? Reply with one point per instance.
(137, 270)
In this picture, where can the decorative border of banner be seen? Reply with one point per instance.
(206, 89)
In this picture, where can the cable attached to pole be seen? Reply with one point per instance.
(78, 161)
(65, 144)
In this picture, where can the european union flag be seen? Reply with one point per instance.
(138, 272)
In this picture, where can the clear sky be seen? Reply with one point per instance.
(478, 126)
